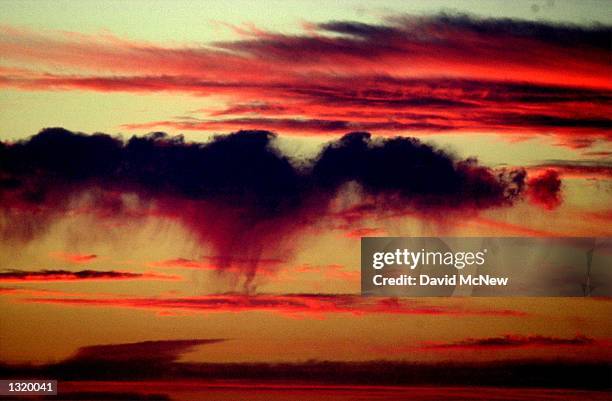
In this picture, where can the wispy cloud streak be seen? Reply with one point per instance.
(67, 275)
(405, 74)
(512, 341)
(291, 305)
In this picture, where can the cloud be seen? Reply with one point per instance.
(588, 169)
(501, 378)
(513, 341)
(571, 132)
(290, 305)
(154, 352)
(241, 184)
(509, 229)
(545, 189)
(598, 153)
(124, 361)
(404, 74)
(415, 172)
(76, 258)
(364, 232)
(66, 275)
(603, 215)
(465, 44)
(183, 263)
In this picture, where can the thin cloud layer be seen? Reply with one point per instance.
(513, 341)
(76, 258)
(290, 305)
(67, 275)
(431, 74)
(588, 169)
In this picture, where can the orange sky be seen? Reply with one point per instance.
(530, 94)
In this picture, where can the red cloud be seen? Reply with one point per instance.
(183, 263)
(73, 257)
(454, 46)
(426, 74)
(365, 232)
(288, 305)
(545, 189)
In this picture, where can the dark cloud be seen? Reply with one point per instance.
(241, 184)
(140, 360)
(155, 352)
(504, 374)
(67, 275)
(598, 153)
(450, 34)
(428, 28)
(415, 172)
(242, 169)
(511, 341)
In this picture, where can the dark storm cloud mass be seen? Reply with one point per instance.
(244, 169)
(240, 184)
(237, 168)
(415, 172)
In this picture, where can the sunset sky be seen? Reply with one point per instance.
(249, 242)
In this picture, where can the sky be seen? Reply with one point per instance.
(303, 126)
